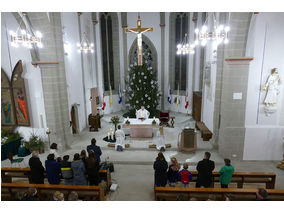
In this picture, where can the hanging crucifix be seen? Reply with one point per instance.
(139, 30)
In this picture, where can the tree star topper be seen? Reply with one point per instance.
(139, 30)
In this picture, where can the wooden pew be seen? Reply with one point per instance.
(206, 134)
(45, 191)
(8, 173)
(240, 178)
(172, 193)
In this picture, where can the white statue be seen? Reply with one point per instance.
(272, 88)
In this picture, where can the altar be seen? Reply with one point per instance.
(141, 128)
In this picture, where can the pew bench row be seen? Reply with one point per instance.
(202, 194)
(46, 191)
(7, 175)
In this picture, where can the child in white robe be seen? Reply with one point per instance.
(161, 139)
(120, 139)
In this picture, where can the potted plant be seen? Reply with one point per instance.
(34, 143)
(115, 121)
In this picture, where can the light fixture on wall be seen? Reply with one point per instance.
(25, 36)
(85, 46)
(184, 47)
(219, 34)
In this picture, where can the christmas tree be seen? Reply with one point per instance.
(142, 90)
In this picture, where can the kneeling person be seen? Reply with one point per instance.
(120, 139)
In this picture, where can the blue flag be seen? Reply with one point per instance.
(119, 95)
(170, 96)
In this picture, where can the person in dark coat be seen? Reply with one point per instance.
(160, 167)
(83, 157)
(93, 169)
(205, 168)
(96, 149)
(37, 169)
(52, 170)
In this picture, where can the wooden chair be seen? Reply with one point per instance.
(164, 118)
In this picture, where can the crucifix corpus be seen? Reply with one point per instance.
(139, 30)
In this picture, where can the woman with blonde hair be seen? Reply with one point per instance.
(161, 146)
(173, 172)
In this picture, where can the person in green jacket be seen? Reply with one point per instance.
(226, 173)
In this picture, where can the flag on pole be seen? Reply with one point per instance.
(170, 95)
(186, 100)
(110, 96)
(104, 103)
(119, 95)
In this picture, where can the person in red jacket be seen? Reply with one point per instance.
(185, 176)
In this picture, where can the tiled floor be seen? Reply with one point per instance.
(133, 167)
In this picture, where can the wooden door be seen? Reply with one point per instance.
(73, 120)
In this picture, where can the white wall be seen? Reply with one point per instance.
(264, 133)
(31, 74)
(73, 65)
(208, 92)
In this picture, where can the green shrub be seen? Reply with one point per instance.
(34, 143)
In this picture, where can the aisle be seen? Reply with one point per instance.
(135, 183)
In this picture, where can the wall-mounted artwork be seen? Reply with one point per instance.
(207, 73)
(7, 104)
(14, 107)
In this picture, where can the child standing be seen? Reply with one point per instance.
(173, 172)
(185, 175)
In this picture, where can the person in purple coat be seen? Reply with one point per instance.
(52, 170)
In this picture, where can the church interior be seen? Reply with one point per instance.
(209, 82)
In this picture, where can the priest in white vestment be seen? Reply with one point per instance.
(161, 140)
(142, 113)
(120, 138)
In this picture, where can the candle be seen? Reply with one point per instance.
(108, 137)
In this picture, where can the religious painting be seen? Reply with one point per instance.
(19, 95)
(7, 106)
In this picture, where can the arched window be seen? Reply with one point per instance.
(179, 25)
(110, 50)
(149, 53)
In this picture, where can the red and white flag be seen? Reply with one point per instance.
(186, 100)
(104, 103)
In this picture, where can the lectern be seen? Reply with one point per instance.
(187, 140)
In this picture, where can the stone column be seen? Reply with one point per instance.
(162, 25)
(232, 121)
(124, 46)
(54, 78)
(95, 22)
(83, 71)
